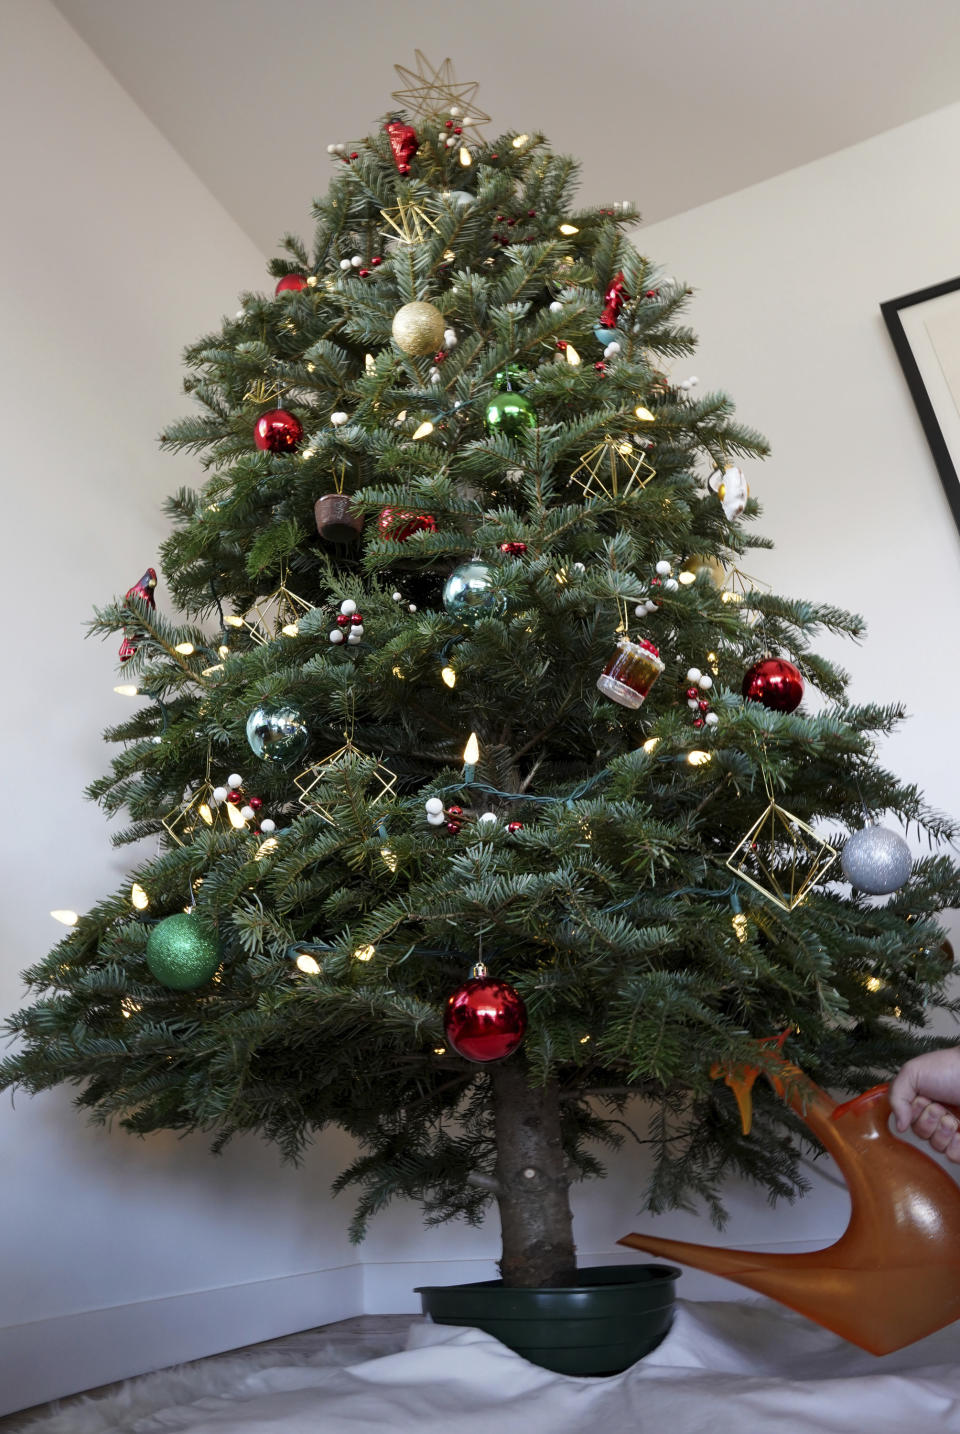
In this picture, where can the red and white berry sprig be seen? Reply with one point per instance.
(349, 626)
(699, 684)
(357, 262)
(665, 579)
(453, 817)
(249, 807)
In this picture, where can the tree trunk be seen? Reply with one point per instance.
(533, 1188)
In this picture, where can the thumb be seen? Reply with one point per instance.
(902, 1094)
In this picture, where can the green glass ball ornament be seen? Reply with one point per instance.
(181, 954)
(277, 734)
(510, 413)
(469, 595)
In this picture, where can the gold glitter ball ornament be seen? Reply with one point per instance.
(418, 329)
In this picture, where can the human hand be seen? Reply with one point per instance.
(920, 1095)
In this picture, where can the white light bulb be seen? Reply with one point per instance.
(471, 752)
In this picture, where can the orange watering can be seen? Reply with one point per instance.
(894, 1275)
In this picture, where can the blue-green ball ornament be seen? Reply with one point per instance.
(605, 336)
(277, 734)
(469, 595)
(181, 954)
(510, 413)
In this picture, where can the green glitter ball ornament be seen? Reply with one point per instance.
(277, 734)
(468, 593)
(510, 413)
(181, 954)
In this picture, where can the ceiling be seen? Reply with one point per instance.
(668, 105)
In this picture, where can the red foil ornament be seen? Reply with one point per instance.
(774, 682)
(399, 524)
(485, 1020)
(403, 143)
(142, 589)
(613, 301)
(277, 431)
(292, 282)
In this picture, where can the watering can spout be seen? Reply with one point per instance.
(894, 1275)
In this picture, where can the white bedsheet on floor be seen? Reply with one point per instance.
(725, 1368)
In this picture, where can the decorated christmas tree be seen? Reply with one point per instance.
(485, 790)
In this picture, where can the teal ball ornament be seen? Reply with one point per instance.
(469, 594)
(510, 413)
(181, 954)
(605, 336)
(277, 734)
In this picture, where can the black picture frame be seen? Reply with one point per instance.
(948, 462)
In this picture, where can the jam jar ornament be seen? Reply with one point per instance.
(631, 672)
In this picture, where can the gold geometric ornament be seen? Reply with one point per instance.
(612, 469)
(781, 857)
(276, 615)
(434, 89)
(738, 589)
(409, 222)
(200, 810)
(263, 391)
(344, 765)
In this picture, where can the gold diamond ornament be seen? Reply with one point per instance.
(782, 857)
(359, 777)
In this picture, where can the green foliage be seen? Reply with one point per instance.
(611, 910)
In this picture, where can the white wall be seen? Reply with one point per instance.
(112, 257)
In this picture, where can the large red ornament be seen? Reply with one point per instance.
(294, 282)
(403, 142)
(485, 1020)
(776, 683)
(399, 524)
(277, 431)
(613, 301)
(142, 589)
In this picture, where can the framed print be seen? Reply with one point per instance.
(925, 329)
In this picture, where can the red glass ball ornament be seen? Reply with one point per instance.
(453, 827)
(398, 524)
(448, 124)
(513, 550)
(531, 214)
(485, 1020)
(363, 273)
(376, 261)
(455, 811)
(703, 704)
(235, 798)
(256, 803)
(356, 619)
(698, 722)
(277, 431)
(293, 282)
(693, 694)
(458, 129)
(514, 826)
(774, 682)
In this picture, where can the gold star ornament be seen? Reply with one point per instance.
(434, 89)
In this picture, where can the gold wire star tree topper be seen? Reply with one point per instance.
(781, 856)
(346, 775)
(612, 469)
(434, 89)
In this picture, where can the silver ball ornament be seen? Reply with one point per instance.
(277, 734)
(468, 593)
(876, 860)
